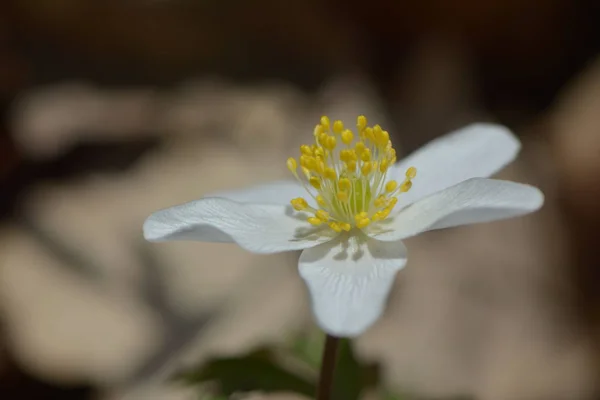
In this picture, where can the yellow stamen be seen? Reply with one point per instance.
(306, 150)
(299, 204)
(363, 223)
(335, 226)
(322, 215)
(366, 155)
(291, 164)
(347, 136)
(344, 184)
(366, 168)
(330, 174)
(348, 183)
(338, 126)
(315, 182)
(391, 186)
(351, 166)
(314, 221)
(361, 122)
(406, 185)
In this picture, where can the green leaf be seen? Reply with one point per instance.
(309, 348)
(255, 371)
(393, 396)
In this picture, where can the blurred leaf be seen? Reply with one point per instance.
(393, 396)
(309, 348)
(255, 371)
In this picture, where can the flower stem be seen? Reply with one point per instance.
(327, 368)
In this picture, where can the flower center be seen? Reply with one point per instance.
(345, 173)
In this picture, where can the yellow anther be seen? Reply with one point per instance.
(321, 201)
(314, 221)
(363, 223)
(325, 122)
(306, 150)
(308, 162)
(391, 153)
(380, 201)
(366, 155)
(292, 164)
(344, 155)
(384, 139)
(299, 204)
(377, 130)
(352, 155)
(335, 226)
(306, 172)
(320, 167)
(338, 126)
(345, 226)
(318, 130)
(360, 215)
(366, 168)
(392, 202)
(319, 152)
(391, 186)
(383, 166)
(315, 182)
(359, 148)
(411, 172)
(361, 122)
(351, 166)
(368, 134)
(406, 185)
(347, 136)
(323, 139)
(322, 215)
(330, 174)
(344, 184)
(342, 196)
(383, 214)
(331, 142)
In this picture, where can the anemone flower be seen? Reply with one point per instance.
(350, 207)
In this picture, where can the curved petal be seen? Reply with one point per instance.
(349, 280)
(278, 192)
(259, 228)
(476, 151)
(472, 201)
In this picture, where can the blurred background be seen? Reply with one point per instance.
(110, 110)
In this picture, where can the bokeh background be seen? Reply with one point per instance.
(110, 110)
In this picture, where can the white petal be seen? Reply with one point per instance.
(349, 280)
(476, 151)
(259, 228)
(472, 201)
(278, 192)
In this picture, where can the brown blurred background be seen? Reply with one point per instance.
(109, 110)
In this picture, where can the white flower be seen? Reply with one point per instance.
(361, 205)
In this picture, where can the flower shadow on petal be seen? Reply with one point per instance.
(350, 246)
